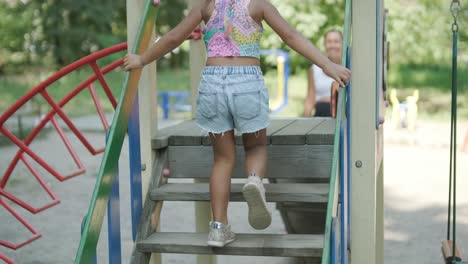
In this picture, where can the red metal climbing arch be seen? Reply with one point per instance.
(34, 163)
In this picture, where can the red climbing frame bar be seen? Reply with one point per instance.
(25, 152)
(31, 229)
(7, 260)
(64, 71)
(92, 90)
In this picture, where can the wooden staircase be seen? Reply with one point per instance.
(299, 164)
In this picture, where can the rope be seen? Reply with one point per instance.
(455, 8)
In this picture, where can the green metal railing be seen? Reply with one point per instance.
(105, 178)
(332, 206)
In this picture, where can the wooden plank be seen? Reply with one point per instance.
(323, 133)
(246, 244)
(184, 134)
(447, 252)
(294, 161)
(187, 134)
(278, 124)
(275, 125)
(280, 131)
(280, 192)
(295, 133)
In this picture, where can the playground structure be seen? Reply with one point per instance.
(404, 114)
(339, 173)
(34, 162)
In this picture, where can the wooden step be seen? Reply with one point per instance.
(278, 245)
(278, 192)
(284, 162)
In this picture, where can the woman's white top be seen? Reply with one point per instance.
(323, 83)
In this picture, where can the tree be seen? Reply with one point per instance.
(170, 14)
(420, 31)
(15, 24)
(70, 29)
(310, 18)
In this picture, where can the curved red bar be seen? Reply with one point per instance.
(64, 71)
(7, 260)
(35, 234)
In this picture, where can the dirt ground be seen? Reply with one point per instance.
(416, 193)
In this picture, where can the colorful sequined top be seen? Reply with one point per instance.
(231, 31)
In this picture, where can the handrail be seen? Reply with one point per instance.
(340, 115)
(105, 178)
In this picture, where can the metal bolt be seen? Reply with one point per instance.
(358, 164)
(143, 167)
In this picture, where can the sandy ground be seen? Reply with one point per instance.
(416, 193)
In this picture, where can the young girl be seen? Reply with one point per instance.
(232, 95)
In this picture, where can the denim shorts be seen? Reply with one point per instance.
(232, 97)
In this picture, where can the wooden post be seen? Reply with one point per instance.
(197, 62)
(366, 139)
(147, 96)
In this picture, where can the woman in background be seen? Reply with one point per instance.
(319, 84)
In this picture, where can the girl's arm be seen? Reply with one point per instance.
(299, 43)
(309, 103)
(168, 42)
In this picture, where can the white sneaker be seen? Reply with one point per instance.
(220, 234)
(254, 194)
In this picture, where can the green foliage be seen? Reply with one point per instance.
(171, 13)
(71, 29)
(421, 31)
(437, 77)
(15, 25)
(310, 18)
(58, 32)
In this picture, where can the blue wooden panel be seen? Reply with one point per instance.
(113, 222)
(136, 203)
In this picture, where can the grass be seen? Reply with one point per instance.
(430, 77)
(12, 88)
(434, 85)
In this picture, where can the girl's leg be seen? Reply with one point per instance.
(255, 153)
(224, 151)
(254, 191)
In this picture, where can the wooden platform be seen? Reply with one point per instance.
(299, 131)
(298, 148)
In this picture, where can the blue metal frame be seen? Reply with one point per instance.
(379, 69)
(343, 195)
(113, 223)
(348, 150)
(136, 204)
(113, 208)
(179, 104)
(285, 55)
